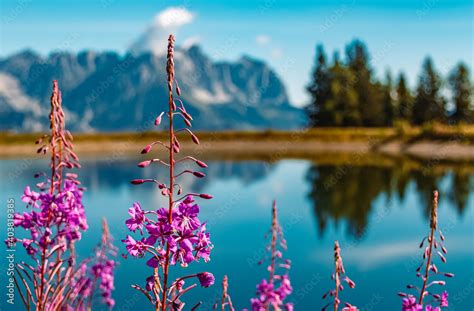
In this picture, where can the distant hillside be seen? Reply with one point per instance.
(109, 92)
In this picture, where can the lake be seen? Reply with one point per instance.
(379, 214)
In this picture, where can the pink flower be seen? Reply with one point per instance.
(134, 248)
(444, 299)
(30, 197)
(137, 218)
(409, 304)
(206, 279)
(349, 307)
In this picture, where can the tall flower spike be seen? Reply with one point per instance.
(173, 234)
(428, 268)
(339, 276)
(274, 291)
(55, 222)
(102, 270)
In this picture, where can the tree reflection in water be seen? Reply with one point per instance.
(347, 193)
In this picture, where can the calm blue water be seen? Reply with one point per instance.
(378, 215)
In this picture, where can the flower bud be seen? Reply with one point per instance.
(74, 156)
(146, 149)
(187, 122)
(201, 164)
(199, 174)
(158, 119)
(186, 115)
(205, 196)
(206, 279)
(175, 148)
(195, 139)
(137, 181)
(443, 259)
(350, 282)
(144, 163)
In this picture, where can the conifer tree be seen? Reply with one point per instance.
(461, 89)
(343, 98)
(429, 105)
(387, 100)
(358, 62)
(320, 113)
(404, 101)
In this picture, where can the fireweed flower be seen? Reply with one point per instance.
(137, 218)
(206, 279)
(102, 270)
(55, 220)
(274, 291)
(172, 235)
(339, 276)
(435, 247)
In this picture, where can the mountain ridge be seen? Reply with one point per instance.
(106, 91)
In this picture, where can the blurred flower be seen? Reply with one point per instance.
(206, 279)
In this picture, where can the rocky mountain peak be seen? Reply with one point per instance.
(105, 91)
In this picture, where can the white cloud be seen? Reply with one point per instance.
(155, 37)
(173, 17)
(397, 251)
(262, 40)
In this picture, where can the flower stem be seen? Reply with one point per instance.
(337, 272)
(42, 277)
(170, 71)
(433, 225)
(274, 240)
(52, 117)
(224, 292)
(53, 136)
(336, 295)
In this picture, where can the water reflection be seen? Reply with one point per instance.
(463, 184)
(112, 174)
(348, 192)
(313, 197)
(338, 193)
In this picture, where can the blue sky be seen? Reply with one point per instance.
(399, 34)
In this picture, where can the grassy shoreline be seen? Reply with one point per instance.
(437, 143)
(461, 133)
